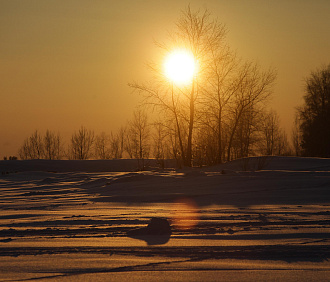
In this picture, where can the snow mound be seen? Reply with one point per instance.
(118, 165)
(273, 163)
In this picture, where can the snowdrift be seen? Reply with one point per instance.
(118, 165)
(275, 163)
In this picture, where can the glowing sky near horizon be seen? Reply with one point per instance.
(64, 64)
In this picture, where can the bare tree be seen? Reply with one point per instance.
(117, 143)
(138, 136)
(161, 145)
(222, 95)
(81, 144)
(24, 151)
(102, 146)
(121, 137)
(283, 147)
(254, 87)
(218, 88)
(115, 146)
(36, 145)
(271, 132)
(273, 139)
(296, 136)
(197, 33)
(32, 147)
(52, 149)
(202, 36)
(246, 136)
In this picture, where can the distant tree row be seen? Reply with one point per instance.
(141, 139)
(48, 146)
(258, 132)
(11, 158)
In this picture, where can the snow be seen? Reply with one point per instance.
(263, 216)
(117, 165)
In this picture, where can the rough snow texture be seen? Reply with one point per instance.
(251, 219)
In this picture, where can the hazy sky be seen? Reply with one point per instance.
(66, 63)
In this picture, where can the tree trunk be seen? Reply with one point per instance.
(219, 139)
(232, 135)
(191, 126)
(183, 156)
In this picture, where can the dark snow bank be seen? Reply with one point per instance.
(274, 163)
(118, 165)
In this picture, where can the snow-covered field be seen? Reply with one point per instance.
(68, 221)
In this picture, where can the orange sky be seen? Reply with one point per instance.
(64, 64)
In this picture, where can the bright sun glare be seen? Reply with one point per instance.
(180, 66)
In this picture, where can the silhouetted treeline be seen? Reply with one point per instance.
(37, 146)
(313, 117)
(142, 138)
(10, 158)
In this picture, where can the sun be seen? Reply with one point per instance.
(180, 66)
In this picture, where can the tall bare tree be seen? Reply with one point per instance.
(254, 87)
(223, 92)
(217, 87)
(199, 34)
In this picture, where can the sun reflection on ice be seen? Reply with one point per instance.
(185, 214)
